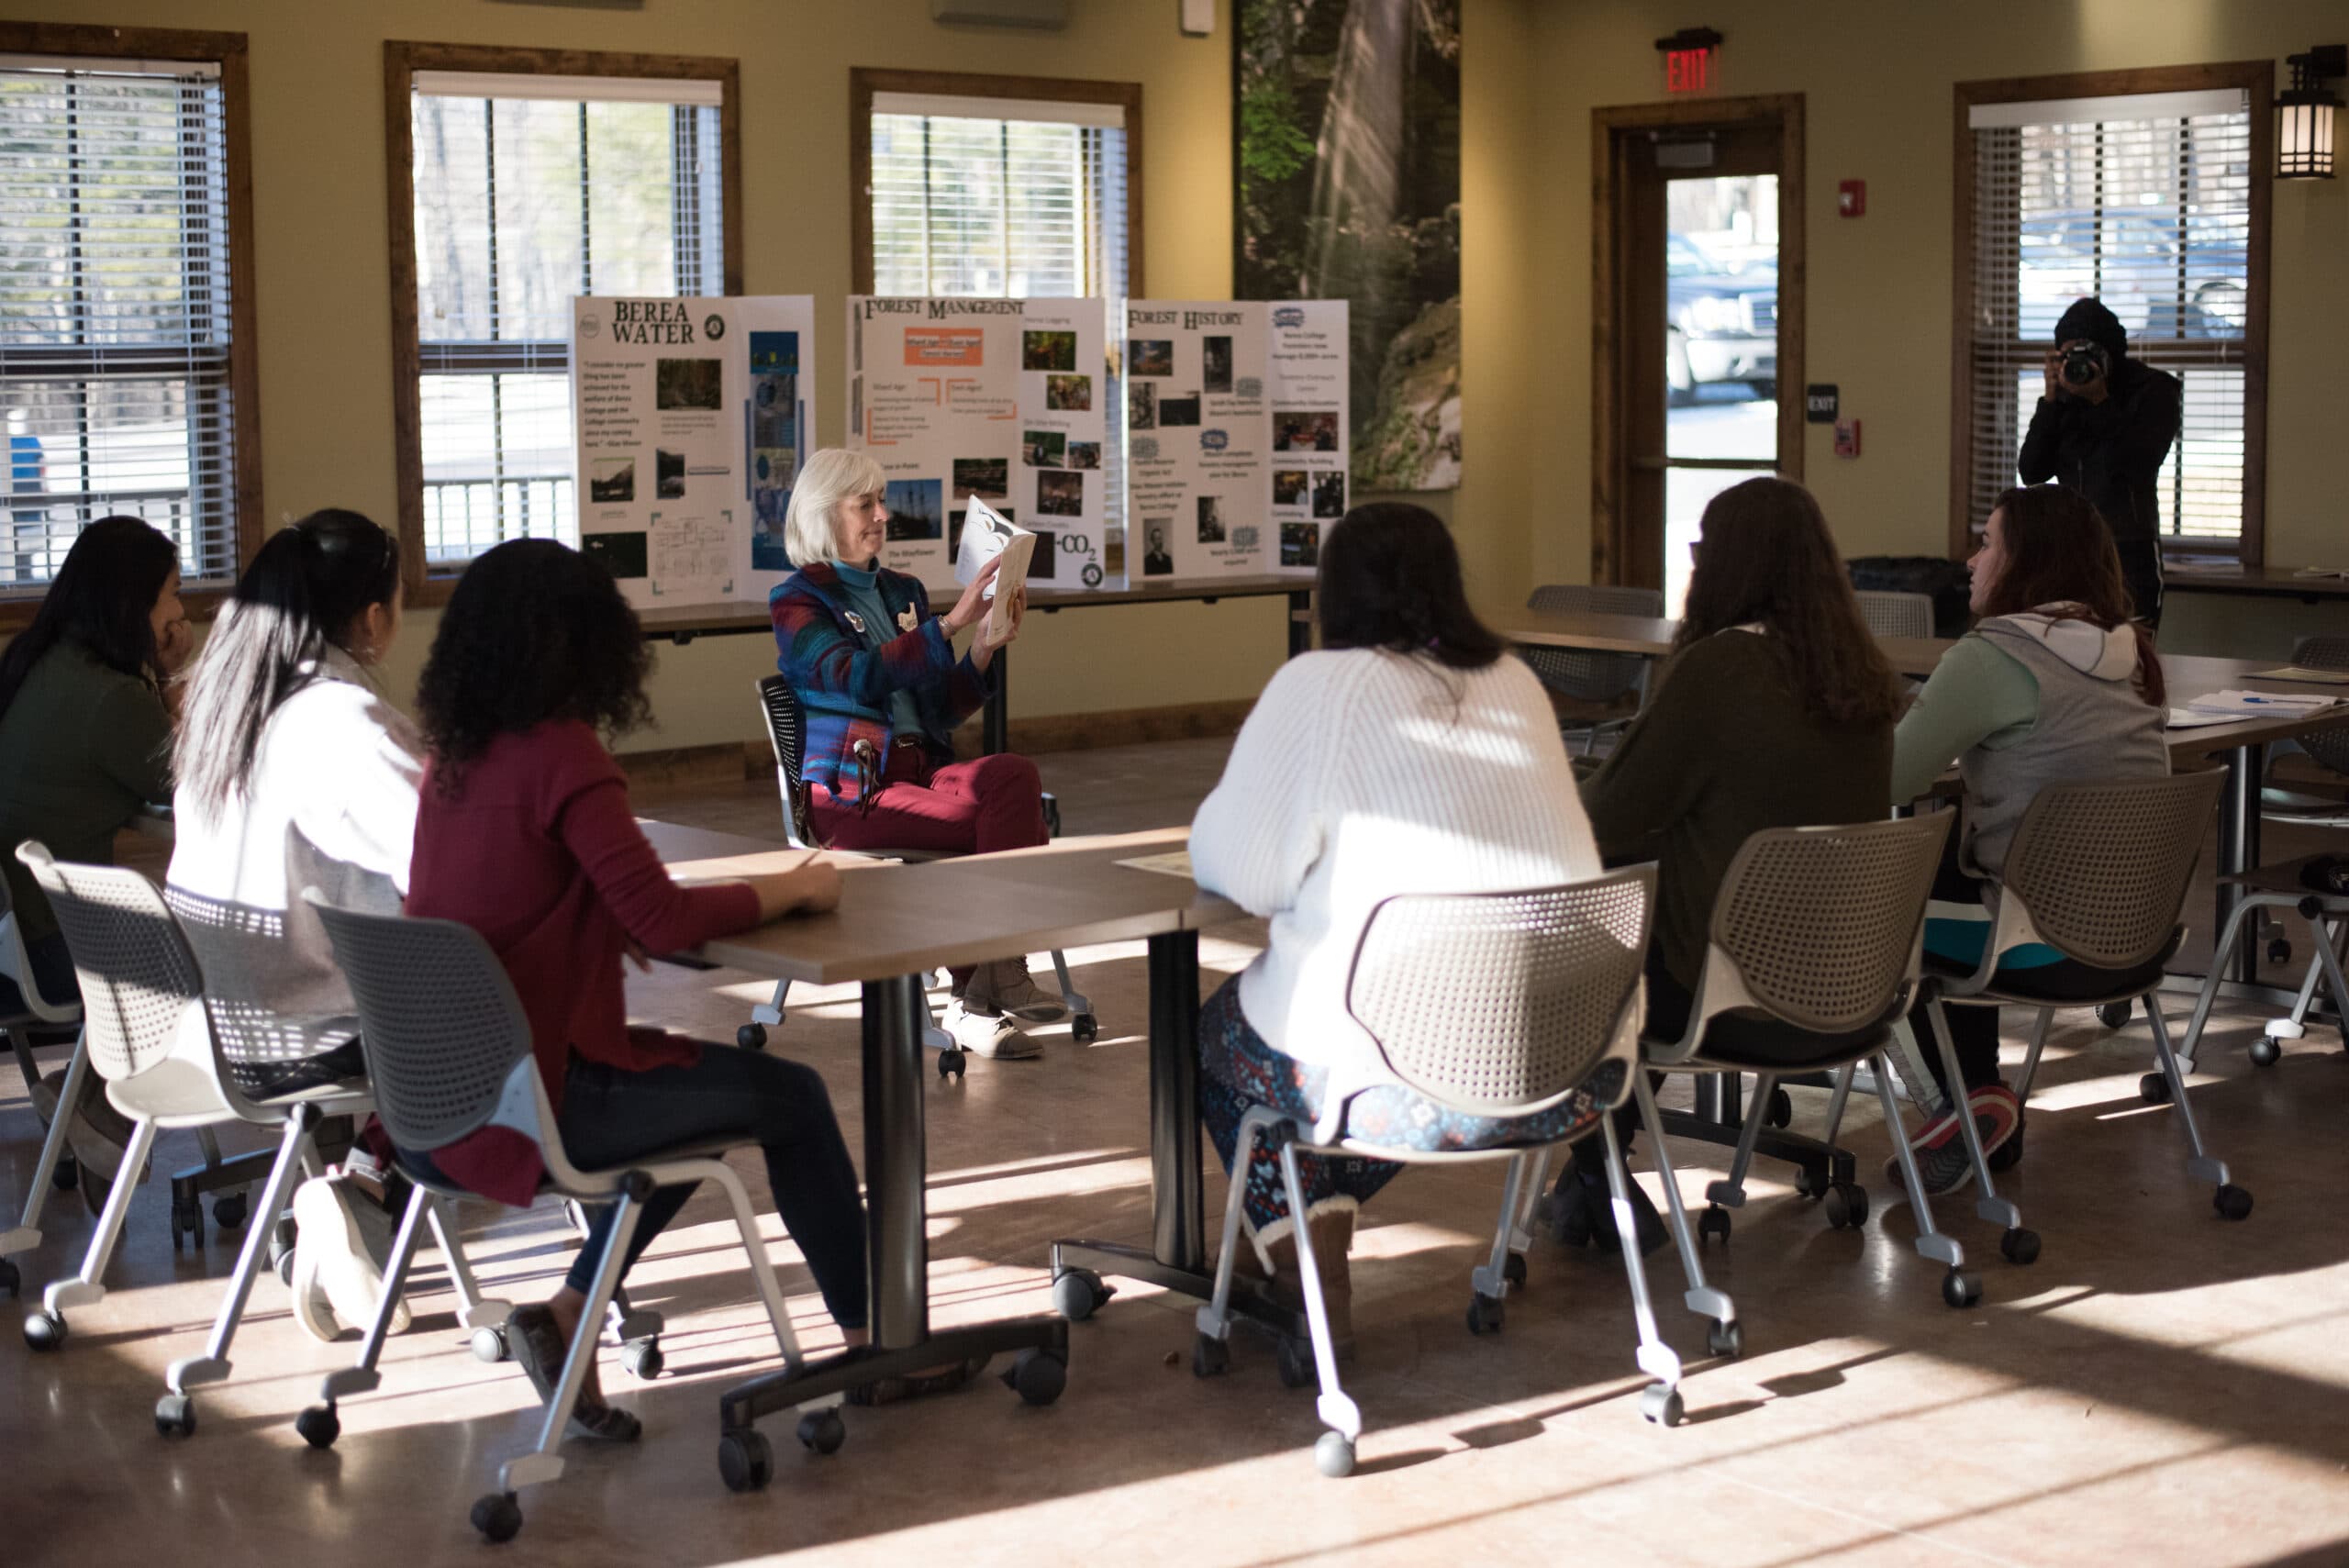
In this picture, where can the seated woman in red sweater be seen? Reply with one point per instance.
(524, 832)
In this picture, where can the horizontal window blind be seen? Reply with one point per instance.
(115, 322)
(2145, 203)
(524, 199)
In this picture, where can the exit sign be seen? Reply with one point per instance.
(1688, 60)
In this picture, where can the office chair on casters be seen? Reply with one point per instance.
(1492, 1004)
(449, 1049)
(1597, 678)
(57, 1165)
(786, 728)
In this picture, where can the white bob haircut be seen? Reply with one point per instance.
(831, 476)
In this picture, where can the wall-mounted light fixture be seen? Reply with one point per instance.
(2305, 113)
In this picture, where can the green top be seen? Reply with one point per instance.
(863, 590)
(1979, 695)
(83, 748)
(1725, 750)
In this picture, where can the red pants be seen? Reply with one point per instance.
(974, 808)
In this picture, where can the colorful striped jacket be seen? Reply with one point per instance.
(844, 680)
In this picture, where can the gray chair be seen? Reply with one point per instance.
(1493, 1005)
(786, 727)
(1814, 950)
(2099, 872)
(1896, 615)
(142, 996)
(56, 1166)
(1597, 678)
(2329, 749)
(448, 1048)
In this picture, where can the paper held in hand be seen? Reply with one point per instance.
(987, 533)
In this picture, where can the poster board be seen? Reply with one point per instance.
(933, 396)
(1305, 383)
(1061, 488)
(692, 423)
(1198, 432)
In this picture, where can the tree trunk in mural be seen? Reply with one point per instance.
(1348, 145)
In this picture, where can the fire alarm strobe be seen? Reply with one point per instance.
(1852, 198)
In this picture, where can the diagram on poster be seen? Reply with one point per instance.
(1197, 436)
(1305, 382)
(692, 422)
(933, 396)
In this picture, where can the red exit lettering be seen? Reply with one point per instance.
(1688, 70)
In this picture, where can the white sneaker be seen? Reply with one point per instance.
(991, 1035)
(331, 1256)
(1006, 986)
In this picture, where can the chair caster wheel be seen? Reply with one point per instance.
(1084, 1028)
(1847, 1206)
(1078, 1294)
(1513, 1271)
(822, 1431)
(1037, 1376)
(1961, 1289)
(1333, 1454)
(228, 1213)
(1293, 1360)
(2154, 1089)
(745, 1461)
(2008, 1155)
(752, 1036)
(44, 1329)
(68, 1174)
(187, 1219)
(1782, 1109)
(175, 1416)
(1713, 1222)
(319, 1426)
(10, 1280)
(2279, 949)
(1485, 1314)
(2020, 1246)
(1726, 1339)
(497, 1515)
(951, 1064)
(2232, 1202)
(1811, 1182)
(643, 1359)
(1660, 1404)
(2113, 1015)
(1209, 1356)
(2266, 1053)
(488, 1345)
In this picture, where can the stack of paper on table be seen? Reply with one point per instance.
(2234, 704)
(2302, 672)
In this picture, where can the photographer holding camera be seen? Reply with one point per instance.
(2103, 428)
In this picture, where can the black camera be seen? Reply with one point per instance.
(2083, 363)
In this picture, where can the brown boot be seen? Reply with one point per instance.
(1334, 1234)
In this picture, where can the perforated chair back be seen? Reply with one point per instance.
(1500, 1003)
(439, 1020)
(2330, 745)
(1896, 615)
(16, 964)
(1823, 923)
(1589, 677)
(137, 972)
(787, 733)
(2103, 867)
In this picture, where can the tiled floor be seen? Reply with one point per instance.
(2160, 1388)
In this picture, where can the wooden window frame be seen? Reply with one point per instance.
(2258, 79)
(228, 52)
(864, 81)
(427, 583)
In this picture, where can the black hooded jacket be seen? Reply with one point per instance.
(2108, 452)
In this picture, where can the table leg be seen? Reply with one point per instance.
(1301, 633)
(995, 727)
(2239, 853)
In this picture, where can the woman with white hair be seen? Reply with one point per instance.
(876, 674)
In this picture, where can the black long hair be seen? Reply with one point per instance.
(102, 598)
(534, 632)
(305, 589)
(1390, 578)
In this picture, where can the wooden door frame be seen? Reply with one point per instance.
(1610, 465)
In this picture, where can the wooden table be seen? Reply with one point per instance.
(2263, 582)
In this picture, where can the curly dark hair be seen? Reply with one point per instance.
(534, 632)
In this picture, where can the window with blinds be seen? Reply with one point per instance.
(531, 190)
(115, 309)
(2144, 201)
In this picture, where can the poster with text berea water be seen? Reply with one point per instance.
(693, 420)
(1060, 489)
(1305, 382)
(933, 397)
(1198, 430)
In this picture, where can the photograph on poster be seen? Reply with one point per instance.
(1059, 495)
(1068, 394)
(1084, 454)
(1043, 449)
(917, 508)
(1288, 486)
(1141, 406)
(613, 479)
(774, 353)
(1150, 356)
(1243, 539)
(1305, 429)
(1045, 563)
(688, 384)
(1156, 562)
(668, 475)
(1217, 353)
(987, 476)
(1048, 350)
(624, 554)
(1210, 519)
(767, 552)
(1174, 412)
(1300, 544)
(1330, 495)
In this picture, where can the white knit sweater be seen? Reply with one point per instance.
(1362, 775)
